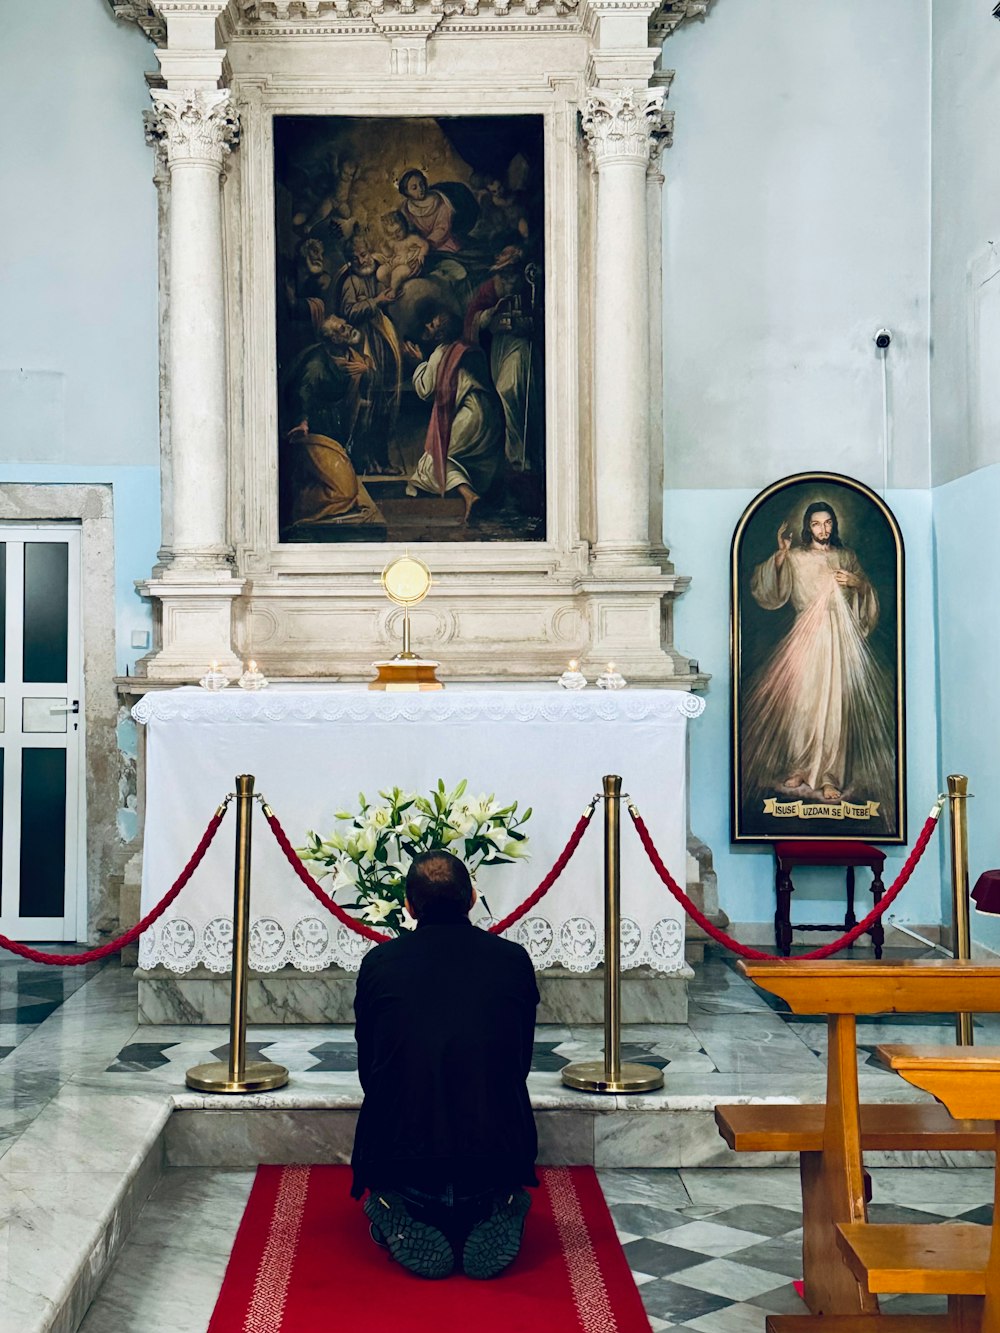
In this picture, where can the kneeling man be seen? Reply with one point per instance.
(445, 1019)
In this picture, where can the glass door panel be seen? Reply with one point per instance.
(43, 833)
(46, 610)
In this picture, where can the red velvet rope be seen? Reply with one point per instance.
(582, 824)
(130, 936)
(379, 937)
(744, 950)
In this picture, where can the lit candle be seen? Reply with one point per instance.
(611, 667)
(574, 664)
(251, 665)
(213, 665)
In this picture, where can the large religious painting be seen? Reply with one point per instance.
(817, 644)
(410, 331)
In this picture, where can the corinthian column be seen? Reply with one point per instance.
(621, 126)
(195, 130)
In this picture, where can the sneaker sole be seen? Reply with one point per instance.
(493, 1245)
(416, 1246)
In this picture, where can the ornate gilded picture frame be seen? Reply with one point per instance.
(817, 625)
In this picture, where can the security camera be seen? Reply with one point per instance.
(882, 339)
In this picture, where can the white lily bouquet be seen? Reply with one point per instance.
(371, 856)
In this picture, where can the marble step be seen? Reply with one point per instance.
(291, 996)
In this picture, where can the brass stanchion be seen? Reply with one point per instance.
(961, 941)
(610, 1075)
(237, 1075)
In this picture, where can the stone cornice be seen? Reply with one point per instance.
(142, 13)
(271, 19)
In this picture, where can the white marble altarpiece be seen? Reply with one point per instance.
(597, 583)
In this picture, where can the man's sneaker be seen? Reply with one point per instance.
(418, 1246)
(493, 1244)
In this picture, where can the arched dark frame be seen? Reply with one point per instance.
(867, 528)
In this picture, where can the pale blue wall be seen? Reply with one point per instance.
(965, 517)
(796, 223)
(966, 220)
(78, 333)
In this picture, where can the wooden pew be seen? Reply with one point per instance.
(961, 1260)
(831, 1162)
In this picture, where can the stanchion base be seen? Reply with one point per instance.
(260, 1076)
(589, 1076)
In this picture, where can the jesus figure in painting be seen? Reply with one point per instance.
(819, 711)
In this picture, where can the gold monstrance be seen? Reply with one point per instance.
(406, 582)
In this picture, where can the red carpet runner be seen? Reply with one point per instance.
(303, 1263)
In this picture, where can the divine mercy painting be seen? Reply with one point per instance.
(410, 328)
(817, 622)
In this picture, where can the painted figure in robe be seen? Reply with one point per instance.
(463, 448)
(819, 719)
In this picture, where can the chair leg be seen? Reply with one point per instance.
(850, 920)
(877, 931)
(783, 913)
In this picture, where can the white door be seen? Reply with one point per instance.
(42, 870)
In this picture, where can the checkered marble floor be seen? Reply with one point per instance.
(719, 1250)
(714, 1250)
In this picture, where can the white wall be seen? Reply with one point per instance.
(796, 221)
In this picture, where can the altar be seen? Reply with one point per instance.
(313, 748)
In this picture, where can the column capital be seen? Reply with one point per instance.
(625, 125)
(193, 125)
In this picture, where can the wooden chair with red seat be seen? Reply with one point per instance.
(847, 854)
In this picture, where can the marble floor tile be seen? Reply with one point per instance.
(738, 1318)
(726, 1188)
(709, 1237)
(660, 1188)
(725, 1277)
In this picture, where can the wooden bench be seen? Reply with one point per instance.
(831, 1139)
(957, 1259)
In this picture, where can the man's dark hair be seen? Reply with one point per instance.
(820, 507)
(438, 887)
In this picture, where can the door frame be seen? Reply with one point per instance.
(91, 506)
(74, 917)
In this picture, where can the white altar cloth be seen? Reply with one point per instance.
(312, 749)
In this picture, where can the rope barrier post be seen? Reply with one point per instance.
(237, 1075)
(961, 938)
(611, 1075)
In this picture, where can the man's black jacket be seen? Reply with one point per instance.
(445, 1018)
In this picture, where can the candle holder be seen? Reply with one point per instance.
(214, 679)
(252, 678)
(573, 678)
(612, 679)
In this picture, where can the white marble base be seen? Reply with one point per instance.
(291, 996)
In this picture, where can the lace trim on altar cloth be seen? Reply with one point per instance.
(194, 705)
(314, 944)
